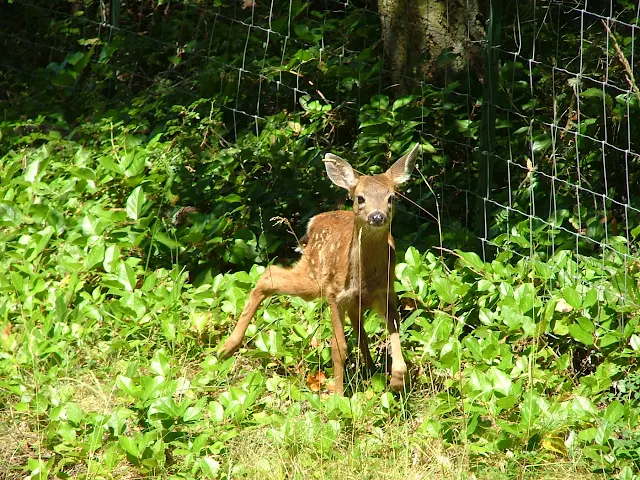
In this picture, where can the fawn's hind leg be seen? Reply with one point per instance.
(357, 323)
(275, 280)
(338, 345)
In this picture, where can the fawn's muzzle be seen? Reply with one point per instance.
(377, 219)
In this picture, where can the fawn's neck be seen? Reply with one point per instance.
(370, 249)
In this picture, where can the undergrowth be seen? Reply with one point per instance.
(108, 364)
(141, 167)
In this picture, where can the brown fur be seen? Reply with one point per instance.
(348, 259)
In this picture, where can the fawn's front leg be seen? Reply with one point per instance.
(389, 310)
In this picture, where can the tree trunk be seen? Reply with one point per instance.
(426, 39)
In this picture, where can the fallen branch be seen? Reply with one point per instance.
(630, 79)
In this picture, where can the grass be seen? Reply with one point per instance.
(108, 364)
(281, 440)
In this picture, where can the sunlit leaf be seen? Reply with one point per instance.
(127, 276)
(580, 334)
(135, 202)
(209, 466)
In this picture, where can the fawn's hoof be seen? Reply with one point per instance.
(397, 379)
(228, 349)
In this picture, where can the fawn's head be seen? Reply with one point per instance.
(373, 196)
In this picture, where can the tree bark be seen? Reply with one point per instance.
(426, 39)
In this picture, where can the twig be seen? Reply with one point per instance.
(630, 79)
(285, 221)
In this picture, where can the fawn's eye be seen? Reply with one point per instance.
(360, 200)
(391, 199)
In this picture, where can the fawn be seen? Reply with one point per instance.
(348, 259)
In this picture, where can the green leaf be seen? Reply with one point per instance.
(525, 296)
(614, 412)
(586, 324)
(412, 257)
(126, 276)
(217, 411)
(516, 320)
(135, 163)
(232, 198)
(192, 414)
(45, 236)
(160, 363)
(463, 124)
(74, 57)
(379, 382)
(445, 290)
(209, 467)
(33, 170)
(64, 79)
(95, 256)
(39, 469)
(403, 102)
(84, 173)
(500, 381)
(386, 400)
(135, 202)
(74, 413)
(427, 147)
(94, 439)
(541, 144)
(300, 330)
(479, 382)
(472, 259)
(66, 432)
(572, 297)
(592, 92)
(603, 432)
(590, 298)
(580, 334)
(261, 341)
(165, 409)
(583, 406)
(380, 102)
(507, 402)
(129, 445)
(164, 239)
(108, 163)
(91, 226)
(150, 282)
(626, 473)
(9, 215)
(111, 258)
(128, 386)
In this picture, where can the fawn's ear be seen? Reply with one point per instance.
(340, 172)
(400, 171)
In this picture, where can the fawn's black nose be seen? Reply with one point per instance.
(377, 218)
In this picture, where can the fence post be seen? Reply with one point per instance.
(487, 129)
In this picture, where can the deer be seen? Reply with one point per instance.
(348, 259)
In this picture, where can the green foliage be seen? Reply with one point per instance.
(141, 164)
(110, 361)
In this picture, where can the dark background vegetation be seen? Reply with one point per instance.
(241, 100)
